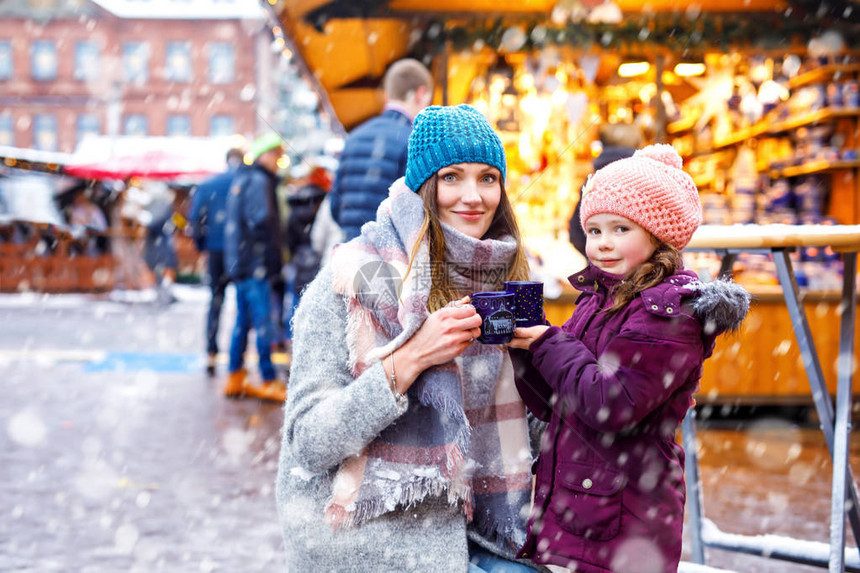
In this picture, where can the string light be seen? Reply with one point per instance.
(689, 69)
(633, 69)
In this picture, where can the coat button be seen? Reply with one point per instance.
(587, 483)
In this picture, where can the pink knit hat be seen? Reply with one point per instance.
(651, 190)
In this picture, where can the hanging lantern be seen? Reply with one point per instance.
(504, 95)
(509, 109)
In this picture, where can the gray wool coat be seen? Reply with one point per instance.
(330, 415)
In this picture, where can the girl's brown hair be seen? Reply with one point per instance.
(504, 223)
(665, 262)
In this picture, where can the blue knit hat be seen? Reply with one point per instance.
(445, 135)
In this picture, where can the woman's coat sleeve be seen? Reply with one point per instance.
(329, 414)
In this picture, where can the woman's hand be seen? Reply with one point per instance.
(444, 335)
(523, 337)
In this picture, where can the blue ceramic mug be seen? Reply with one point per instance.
(497, 310)
(528, 300)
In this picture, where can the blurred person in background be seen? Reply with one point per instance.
(252, 257)
(127, 227)
(374, 154)
(208, 215)
(87, 222)
(162, 219)
(325, 232)
(305, 261)
(617, 141)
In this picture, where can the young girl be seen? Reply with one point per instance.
(616, 380)
(405, 443)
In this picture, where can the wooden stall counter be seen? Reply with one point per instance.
(749, 238)
(789, 333)
(762, 363)
(816, 354)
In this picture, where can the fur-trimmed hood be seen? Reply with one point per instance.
(721, 306)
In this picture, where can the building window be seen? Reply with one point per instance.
(177, 63)
(135, 62)
(45, 132)
(222, 63)
(7, 131)
(43, 60)
(136, 124)
(86, 60)
(5, 60)
(88, 124)
(221, 125)
(178, 125)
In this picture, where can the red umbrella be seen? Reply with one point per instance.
(151, 164)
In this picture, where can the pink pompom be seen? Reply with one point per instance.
(663, 153)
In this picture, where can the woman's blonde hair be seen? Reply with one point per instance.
(665, 262)
(504, 223)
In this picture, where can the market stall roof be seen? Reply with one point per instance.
(348, 45)
(168, 9)
(105, 157)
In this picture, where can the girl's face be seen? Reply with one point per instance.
(616, 244)
(467, 195)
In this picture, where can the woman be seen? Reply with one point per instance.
(405, 444)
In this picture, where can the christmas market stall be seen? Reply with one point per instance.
(77, 222)
(39, 249)
(760, 98)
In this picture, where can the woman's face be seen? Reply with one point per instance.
(616, 244)
(467, 195)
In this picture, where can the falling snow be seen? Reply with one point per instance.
(119, 454)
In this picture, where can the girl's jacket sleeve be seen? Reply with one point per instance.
(636, 372)
(534, 390)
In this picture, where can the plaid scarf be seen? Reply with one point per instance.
(465, 433)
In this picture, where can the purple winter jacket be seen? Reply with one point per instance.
(609, 490)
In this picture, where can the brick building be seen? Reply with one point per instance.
(131, 67)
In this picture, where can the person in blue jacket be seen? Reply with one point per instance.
(252, 256)
(208, 215)
(374, 154)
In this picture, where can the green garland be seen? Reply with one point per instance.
(671, 32)
(674, 31)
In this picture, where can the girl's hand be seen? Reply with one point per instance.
(523, 337)
(444, 335)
